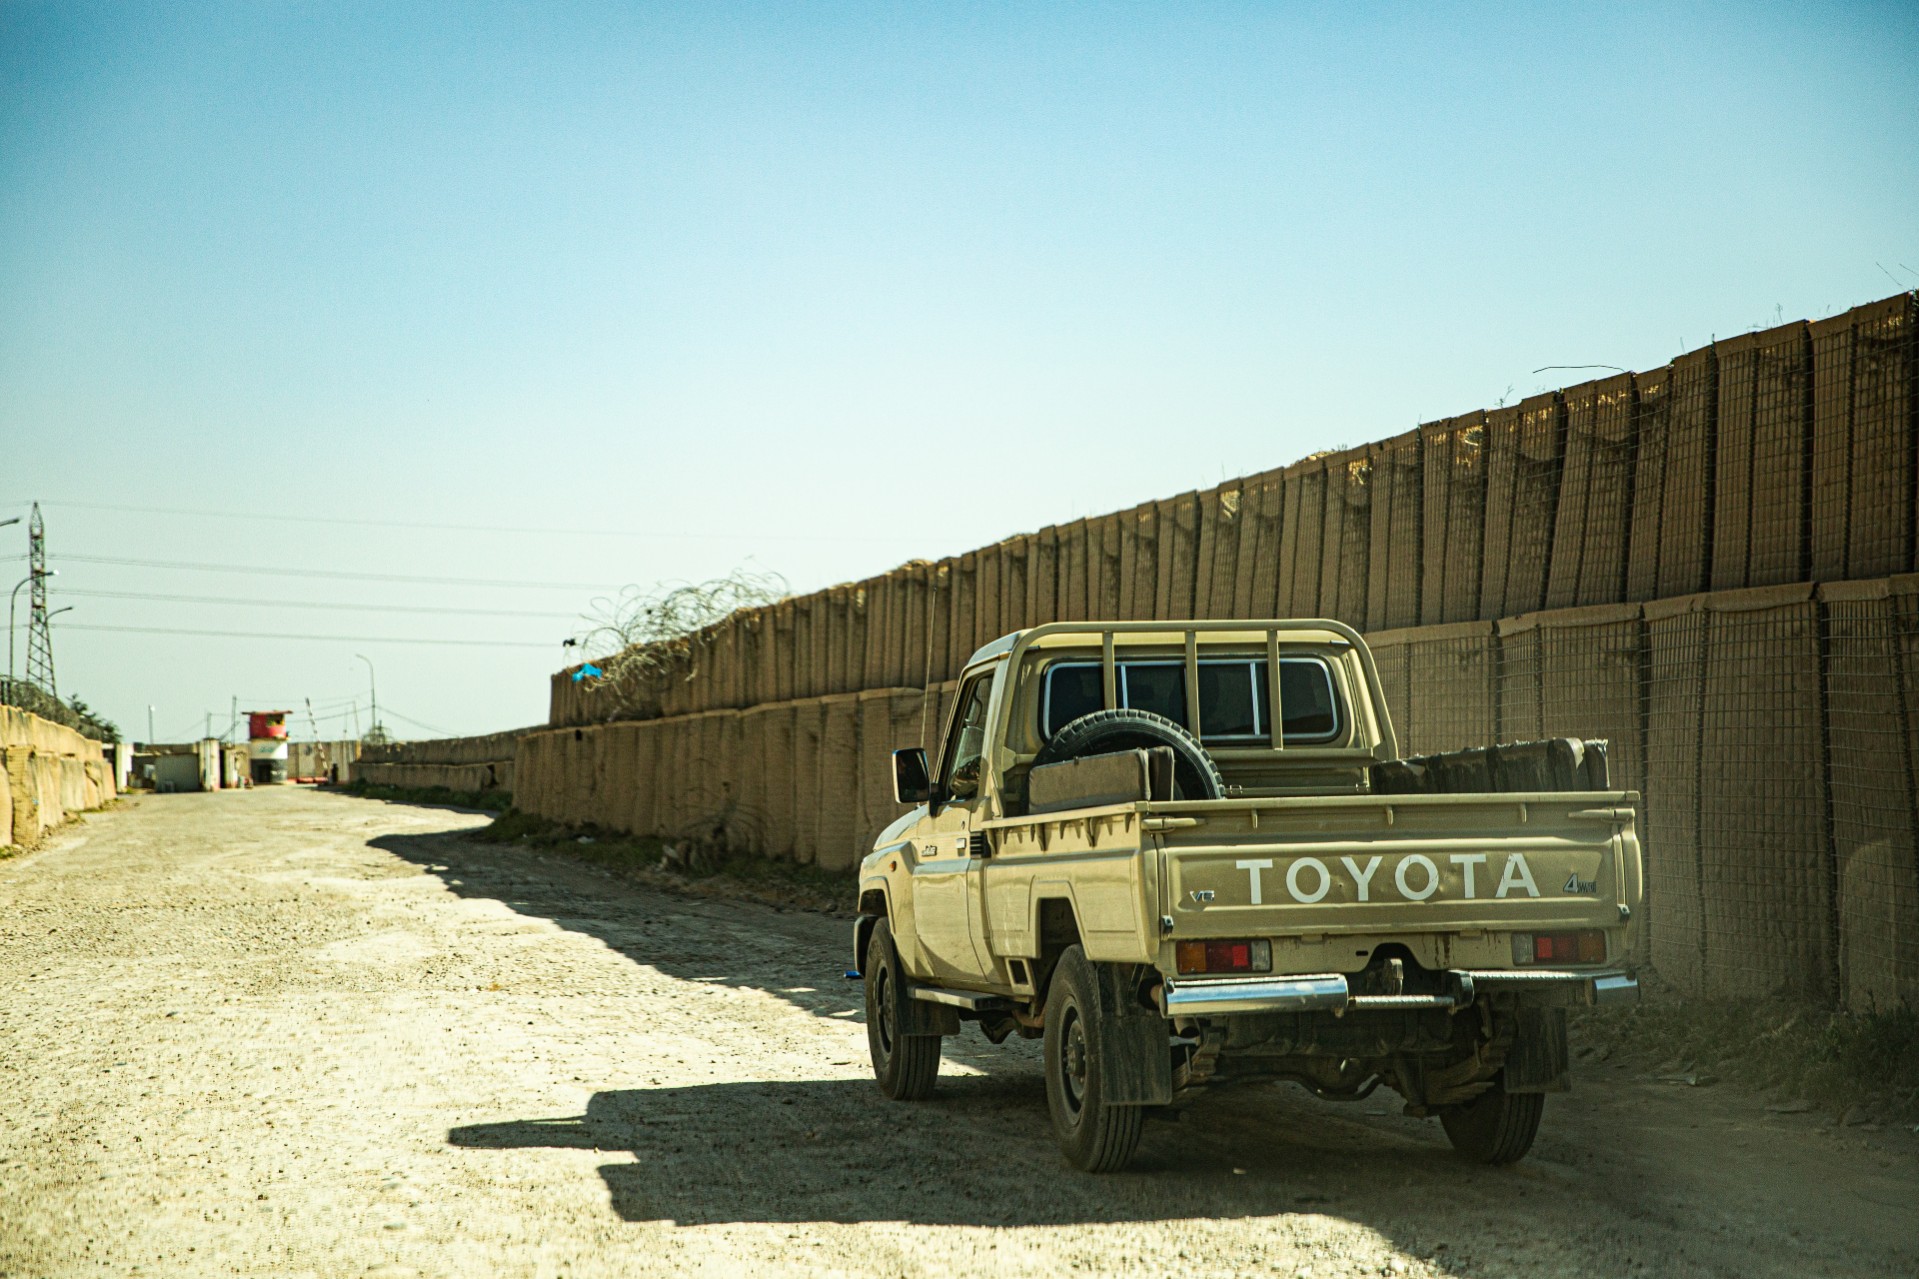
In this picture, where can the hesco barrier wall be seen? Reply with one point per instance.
(48, 772)
(1772, 731)
(470, 764)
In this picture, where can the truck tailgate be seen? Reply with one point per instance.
(1403, 863)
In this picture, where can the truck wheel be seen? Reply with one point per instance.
(1094, 1135)
(1496, 1127)
(906, 1066)
(1195, 775)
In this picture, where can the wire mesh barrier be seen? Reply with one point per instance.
(34, 700)
(1872, 694)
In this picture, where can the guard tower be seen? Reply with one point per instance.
(267, 746)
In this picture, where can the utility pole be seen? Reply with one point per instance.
(149, 726)
(208, 731)
(373, 692)
(39, 634)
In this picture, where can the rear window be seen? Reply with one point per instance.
(1235, 704)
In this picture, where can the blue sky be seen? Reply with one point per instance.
(824, 288)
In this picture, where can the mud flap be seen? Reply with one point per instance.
(1539, 1060)
(917, 1017)
(1135, 1044)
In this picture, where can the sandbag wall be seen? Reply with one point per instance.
(48, 772)
(468, 764)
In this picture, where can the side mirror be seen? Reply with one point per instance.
(911, 784)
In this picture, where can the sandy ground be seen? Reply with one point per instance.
(287, 1033)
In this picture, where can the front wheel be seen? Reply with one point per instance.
(1093, 1134)
(906, 1066)
(1496, 1127)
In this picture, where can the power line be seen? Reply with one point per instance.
(252, 517)
(337, 574)
(310, 604)
(283, 635)
(417, 724)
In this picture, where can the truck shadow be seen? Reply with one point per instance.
(979, 1154)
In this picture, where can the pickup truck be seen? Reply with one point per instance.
(1188, 855)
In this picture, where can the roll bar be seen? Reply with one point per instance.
(1017, 644)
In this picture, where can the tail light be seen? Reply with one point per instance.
(1223, 957)
(1587, 946)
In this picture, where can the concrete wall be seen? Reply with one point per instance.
(48, 772)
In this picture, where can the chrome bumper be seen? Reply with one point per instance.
(1328, 992)
(1254, 995)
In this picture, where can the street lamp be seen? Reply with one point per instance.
(373, 690)
(12, 600)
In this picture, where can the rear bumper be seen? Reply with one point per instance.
(1329, 992)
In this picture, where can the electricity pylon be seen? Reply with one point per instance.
(39, 633)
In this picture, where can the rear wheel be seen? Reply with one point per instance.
(1094, 1135)
(1496, 1127)
(906, 1066)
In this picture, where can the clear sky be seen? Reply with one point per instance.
(643, 293)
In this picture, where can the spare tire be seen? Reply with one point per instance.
(1195, 776)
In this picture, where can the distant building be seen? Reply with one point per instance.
(267, 746)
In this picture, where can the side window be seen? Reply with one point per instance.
(1072, 690)
(960, 764)
(1306, 690)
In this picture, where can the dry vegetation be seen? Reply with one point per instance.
(641, 639)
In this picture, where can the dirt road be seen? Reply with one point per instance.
(287, 1033)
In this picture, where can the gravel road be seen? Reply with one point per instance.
(286, 1033)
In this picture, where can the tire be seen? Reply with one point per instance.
(1496, 1127)
(1094, 1136)
(906, 1066)
(1195, 775)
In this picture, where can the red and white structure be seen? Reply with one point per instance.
(267, 746)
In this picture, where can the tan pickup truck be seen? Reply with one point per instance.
(1188, 854)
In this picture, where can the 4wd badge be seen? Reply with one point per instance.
(1574, 884)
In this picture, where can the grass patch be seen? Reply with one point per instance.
(677, 865)
(491, 801)
(1837, 1060)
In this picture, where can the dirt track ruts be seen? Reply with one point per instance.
(286, 1033)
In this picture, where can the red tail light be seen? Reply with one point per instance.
(1585, 947)
(1223, 956)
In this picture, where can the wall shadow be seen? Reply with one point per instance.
(799, 956)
